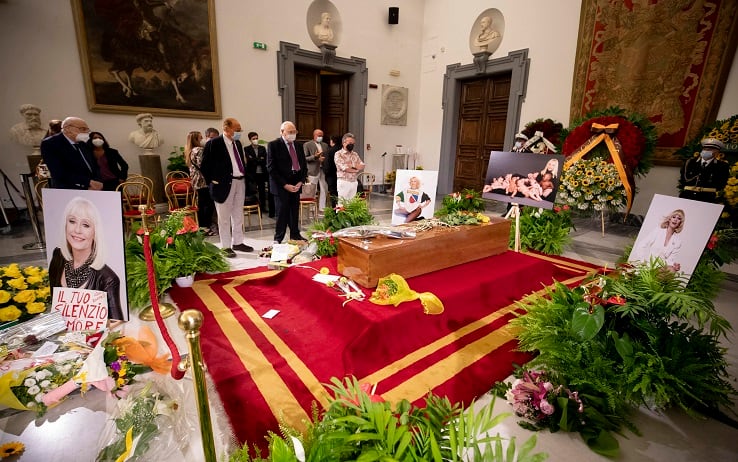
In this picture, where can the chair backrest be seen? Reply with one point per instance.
(140, 178)
(180, 194)
(40, 186)
(309, 191)
(367, 180)
(177, 175)
(135, 193)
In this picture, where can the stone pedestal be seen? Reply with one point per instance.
(151, 167)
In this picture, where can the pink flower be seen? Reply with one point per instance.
(170, 240)
(546, 407)
(712, 242)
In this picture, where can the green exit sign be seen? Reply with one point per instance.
(260, 46)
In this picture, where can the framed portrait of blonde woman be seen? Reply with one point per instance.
(156, 57)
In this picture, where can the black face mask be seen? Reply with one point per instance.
(350, 147)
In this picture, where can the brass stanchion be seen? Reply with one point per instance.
(190, 322)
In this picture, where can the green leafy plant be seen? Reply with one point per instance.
(361, 426)
(178, 248)
(348, 213)
(467, 200)
(542, 230)
(177, 162)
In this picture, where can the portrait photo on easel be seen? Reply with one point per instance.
(523, 178)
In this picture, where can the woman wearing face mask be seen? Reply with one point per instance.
(113, 168)
(205, 205)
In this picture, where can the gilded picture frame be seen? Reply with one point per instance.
(140, 57)
(662, 59)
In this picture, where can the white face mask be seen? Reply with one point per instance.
(82, 137)
(706, 155)
(291, 137)
(203, 142)
(255, 141)
(98, 142)
(236, 136)
(319, 139)
(518, 144)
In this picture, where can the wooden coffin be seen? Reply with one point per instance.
(367, 260)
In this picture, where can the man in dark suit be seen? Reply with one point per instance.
(224, 169)
(703, 177)
(287, 173)
(69, 159)
(256, 171)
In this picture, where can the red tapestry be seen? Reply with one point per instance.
(666, 59)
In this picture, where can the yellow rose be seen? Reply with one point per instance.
(10, 313)
(25, 296)
(43, 293)
(34, 280)
(18, 283)
(35, 307)
(13, 271)
(32, 271)
(4, 296)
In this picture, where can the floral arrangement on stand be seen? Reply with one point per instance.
(625, 140)
(348, 213)
(632, 337)
(360, 425)
(24, 292)
(592, 184)
(550, 133)
(178, 248)
(543, 230)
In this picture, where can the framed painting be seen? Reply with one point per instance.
(157, 57)
(664, 59)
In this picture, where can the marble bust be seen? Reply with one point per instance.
(323, 30)
(145, 137)
(486, 34)
(29, 132)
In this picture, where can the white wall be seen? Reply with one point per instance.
(42, 67)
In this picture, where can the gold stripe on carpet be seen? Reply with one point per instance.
(276, 393)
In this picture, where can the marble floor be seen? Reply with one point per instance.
(669, 436)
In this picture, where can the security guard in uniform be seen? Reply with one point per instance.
(703, 177)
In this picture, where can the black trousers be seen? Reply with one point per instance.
(205, 208)
(288, 214)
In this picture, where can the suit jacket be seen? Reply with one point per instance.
(255, 157)
(216, 162)
(67, 167)
(279, 164)
(311, 149)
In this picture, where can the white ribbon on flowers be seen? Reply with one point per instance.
(539, 137)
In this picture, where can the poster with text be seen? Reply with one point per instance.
(82, 309)
(85, 246)
(415, 195)
(675, 231)
(523, 178)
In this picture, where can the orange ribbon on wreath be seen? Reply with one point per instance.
(606, 133)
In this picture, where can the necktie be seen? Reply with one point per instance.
(293, 155)
(79, 150)
(238, 158)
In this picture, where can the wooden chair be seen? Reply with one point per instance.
(182, 196)
(248, 210)
(133, 194)
(367, 181)
(177, 175)
(40, 186)
(309, 201)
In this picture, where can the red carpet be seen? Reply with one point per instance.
(266, 369)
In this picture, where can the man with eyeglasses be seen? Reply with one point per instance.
(70, 163)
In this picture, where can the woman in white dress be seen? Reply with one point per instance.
(664, 242)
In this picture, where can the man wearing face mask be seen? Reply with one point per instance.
(224, 169)
(69, 159)
(256, 169)
(520, 140)
(287, 173)
(348, 167)
(704, 176)
(315, 152)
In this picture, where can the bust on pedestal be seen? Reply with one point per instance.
(148, 139)
(29, 132)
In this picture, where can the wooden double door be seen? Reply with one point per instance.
(321, 101)
(483, 108)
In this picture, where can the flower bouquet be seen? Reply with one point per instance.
(592, 184)
(348, 213)
(543, 230)
(24, 293)
(462, 208)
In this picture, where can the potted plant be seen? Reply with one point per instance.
(178, 248)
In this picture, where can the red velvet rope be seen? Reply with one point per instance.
(176, 373)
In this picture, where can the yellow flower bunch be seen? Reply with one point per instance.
(23, 291)
(727, 132)
(731, 189)
(591, 185)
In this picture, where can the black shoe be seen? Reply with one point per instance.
(298, 238)
(243, 248)
(229, 253)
